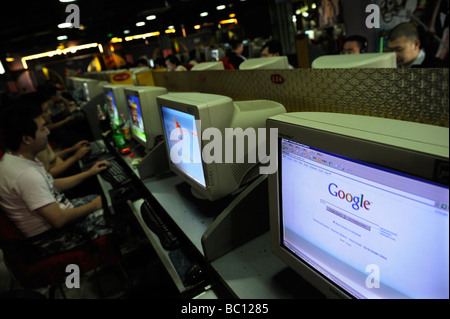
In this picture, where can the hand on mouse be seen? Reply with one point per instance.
(99, 166)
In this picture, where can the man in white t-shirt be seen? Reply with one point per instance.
(29, 195)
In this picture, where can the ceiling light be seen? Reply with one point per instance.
(65, 25)
(62, 38)
(126, 31)
(204, 14)
(152, 17)
(140, 24)
(2, 69)
(221, 7)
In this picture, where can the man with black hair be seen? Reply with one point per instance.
(29, 195)
(405, 42)
(235, 57)
(355, 44)
(271, 48)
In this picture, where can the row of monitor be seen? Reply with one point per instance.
(358, 205)
(367, 60)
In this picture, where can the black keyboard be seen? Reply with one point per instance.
(151, 218)
(115, 175)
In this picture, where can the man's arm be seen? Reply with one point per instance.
(63, 165)
(66, 183)
(58, 217)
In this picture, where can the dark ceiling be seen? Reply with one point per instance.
(31, 26)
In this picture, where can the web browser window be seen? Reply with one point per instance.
(374, 232)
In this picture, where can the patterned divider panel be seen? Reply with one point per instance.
(418, 95)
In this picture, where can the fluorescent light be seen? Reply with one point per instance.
(140, 24)
(65, 25)
(151, 17)
(62, 38)
(221, 7)
(2, 69)
(204, 14)
(142, 36)
(126, 31)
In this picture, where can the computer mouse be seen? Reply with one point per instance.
(194, 275)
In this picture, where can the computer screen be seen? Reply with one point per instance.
(182, 126)
(196, 124)
(144, 114)
(116, 101)
(265, 63)
(112, 108)
(365, 60)
(359, 205)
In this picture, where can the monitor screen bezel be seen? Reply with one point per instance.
(345, 146)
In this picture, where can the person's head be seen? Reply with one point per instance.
(237, 46)
(404, 41)
(354, 44)
(160, 63)
(55, 94)
(271, 48)
(172, 62)
(141, 62)
(23, 126)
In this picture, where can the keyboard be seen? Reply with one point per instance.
(115, 175)
(153, 221)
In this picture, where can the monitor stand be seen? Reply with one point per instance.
(155, 162)
(245, 218)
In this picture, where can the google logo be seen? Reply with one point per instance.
(356, 200)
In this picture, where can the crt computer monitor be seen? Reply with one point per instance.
(365, 60)
(204, 66)
(144, 114)
(116, 101)
(91, 89)
(192, 121)
(359, 205)
(266, 63)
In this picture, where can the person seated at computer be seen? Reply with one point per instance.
(173, 64)
(405, 42)
(235, 57)
(32, 199)
(354, 44)
(60, 162)
(272, 48)
(67, 128)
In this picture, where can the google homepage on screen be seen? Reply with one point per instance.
(345, 218)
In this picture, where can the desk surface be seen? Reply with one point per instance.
(249, 271)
